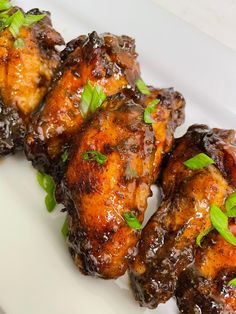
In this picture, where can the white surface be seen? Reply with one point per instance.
(216, 18)
(36, 272)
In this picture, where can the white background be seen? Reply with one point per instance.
(217, 18)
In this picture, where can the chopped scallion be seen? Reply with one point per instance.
(50, 202)
(94, 155)
(199, 161)
(65, 156)
(230, 205)
(91, 99)
(98, 98)
(202, 235)
(142, 87)
(16, 22)
(219, 221)
(32, 19)
(47, 183)
(64, 229)
(132, 221)
(5, 5)
(232, 282)
(149, 110)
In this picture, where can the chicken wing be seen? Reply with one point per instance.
(204, 286)
(168, 241)
(107, 61)
(27, 65)
(99, 195)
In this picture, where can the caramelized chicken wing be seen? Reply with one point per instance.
(98, 195)
(26, 71)
(168, 241)
(107, 61)
(204, 286)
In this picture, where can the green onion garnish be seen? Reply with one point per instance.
(91, 99)
(199, 161)
(149, 110)
(219, 221)
(202, 235)
(19, 43)
(50, 202)
(142, 87)
(86, 99)
(47, 183)
(5, 20)
(94, 155)
(32, 19)
(232, 282)
(5, 5)
(64, 229)
(97, 99)
(16, 22)
(230, 205)
(132, 221)
(65, 156)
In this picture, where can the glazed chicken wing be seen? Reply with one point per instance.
(27, 65)
(99, 194)
(204, 286)
(106, 61)
(168, 242)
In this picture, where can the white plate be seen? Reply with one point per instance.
(37, 275)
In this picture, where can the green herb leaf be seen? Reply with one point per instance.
(132, 221)
(5, 5)
(86, 99)
(202, 235)
(91, 99)
(149, 110)
(98, 98)
(232, 282)
(40, 178)
(230, 205)
(65, 156)
(64, 229)
(142, 87)
(199, 161)
(32, 19)
(47, 183)
(19, 43)
(232, 212)
(220, 222)
(50, 202)
(94, 155)
(5, 20)
(16, 22)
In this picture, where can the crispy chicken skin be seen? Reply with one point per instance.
(203, 287)
(168, 241)
(100, 240)
(25, 74)
(106, 60)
